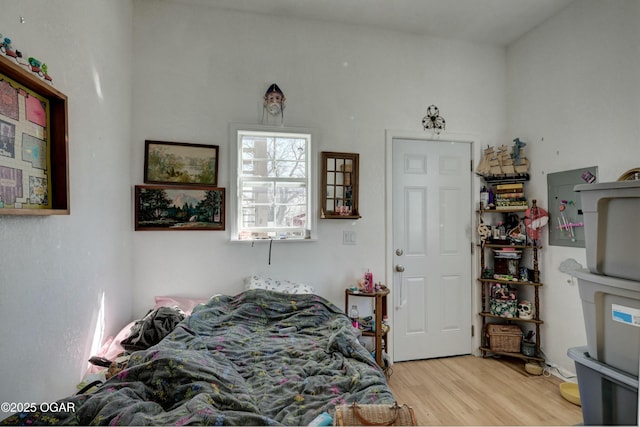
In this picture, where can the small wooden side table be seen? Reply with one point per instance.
(381, 333)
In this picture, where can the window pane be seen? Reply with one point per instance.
(330, 206)
(257, 193)
(255, 167)
(291, 193)
(257, 204)
(276, 204)
(290, 216)
(273, 157)
(290, 168)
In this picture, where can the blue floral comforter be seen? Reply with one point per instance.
(230, 363)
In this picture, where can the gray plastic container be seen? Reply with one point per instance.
(612, 233)
(611, 309)
(608, 396)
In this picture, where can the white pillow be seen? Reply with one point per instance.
(283, 286)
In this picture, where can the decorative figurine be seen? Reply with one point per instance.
(32, 64)
(483, 231)
(22, 61)
(7, 48)
(35, 64)
(45, 74)
(274, 103)
(502, 164)
(433, 120)
(517, 146)
(525, 310)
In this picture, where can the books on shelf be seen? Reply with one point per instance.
(510, 197)
(509, 187)
(507, 253)
(512, 206)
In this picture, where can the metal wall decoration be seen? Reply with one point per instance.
(433, 120)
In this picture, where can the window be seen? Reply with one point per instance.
(273, 186)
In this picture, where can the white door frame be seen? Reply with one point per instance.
(390, 135)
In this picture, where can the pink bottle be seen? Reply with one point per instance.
(368, 281)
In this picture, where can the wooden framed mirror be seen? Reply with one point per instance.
(339, 188)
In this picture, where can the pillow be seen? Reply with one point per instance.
(185, 304)
(283, 286)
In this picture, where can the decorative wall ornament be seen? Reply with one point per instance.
(34, 146)
(433, 120)
(31, 64)
(274, 103)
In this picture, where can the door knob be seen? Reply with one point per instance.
(399, 268)
(399, 252)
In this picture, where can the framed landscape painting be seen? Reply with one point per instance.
(180, 163)
(175, 207)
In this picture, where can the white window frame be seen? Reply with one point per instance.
(236, 131)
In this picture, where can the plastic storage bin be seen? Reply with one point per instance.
(611, 227)
(611, 309)
(608, 396)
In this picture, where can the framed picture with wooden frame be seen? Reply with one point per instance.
(180, 163)
(176, 207)
(34, 150)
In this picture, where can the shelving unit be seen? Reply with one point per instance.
(380, 334)
(521, 284)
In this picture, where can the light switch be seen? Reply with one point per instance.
(349, 237)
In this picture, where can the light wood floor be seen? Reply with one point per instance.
(470, 390)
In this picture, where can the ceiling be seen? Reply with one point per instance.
(497, 22)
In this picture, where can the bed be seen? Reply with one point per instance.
(260, 357)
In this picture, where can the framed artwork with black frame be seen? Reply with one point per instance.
(175, 207)
(180, 163)
(34, 152)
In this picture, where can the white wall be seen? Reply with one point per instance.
(574, 97)
(573, 82)
(54, 271)
(197, 68)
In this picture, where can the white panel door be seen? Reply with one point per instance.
(432, 248)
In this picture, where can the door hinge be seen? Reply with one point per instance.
(471, 247)
(471, 165)
(473, 331)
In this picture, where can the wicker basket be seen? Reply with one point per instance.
(374, 415)
(504, 338)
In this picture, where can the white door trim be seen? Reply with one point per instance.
(390, 135)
